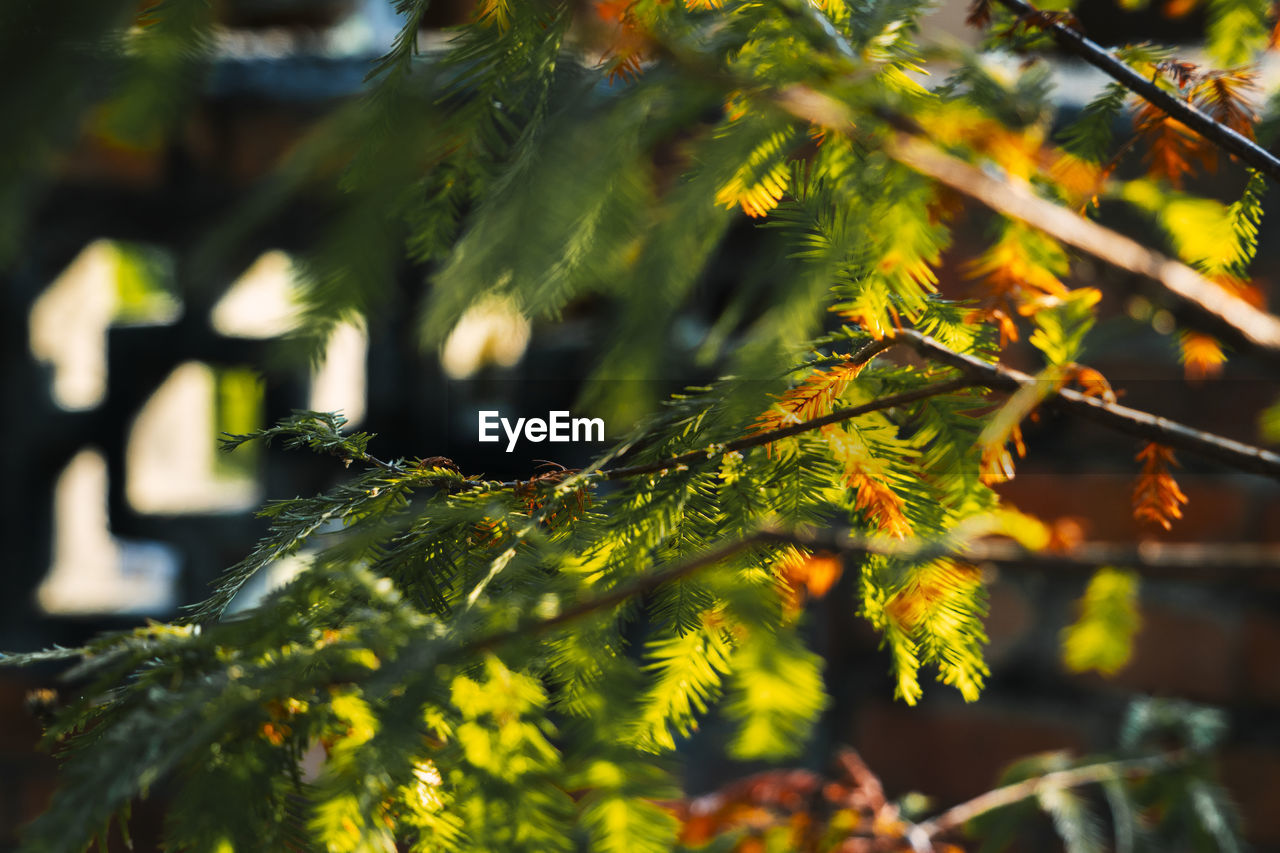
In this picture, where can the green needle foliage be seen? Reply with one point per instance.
(474, 665)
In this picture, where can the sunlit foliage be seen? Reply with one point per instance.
(475, 665)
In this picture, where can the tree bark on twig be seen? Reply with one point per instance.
(922, 834)
(976, 372)
(1093, 53)
(1198, 561)
(1205, 303)
(1135, 422)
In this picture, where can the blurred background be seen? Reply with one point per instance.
(128, 349)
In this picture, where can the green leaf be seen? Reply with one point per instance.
(1101, 638)
(1089, 136)
(687, 672)
(1061, 327)
(1269, 423)
(775, 695)
(1237, 31)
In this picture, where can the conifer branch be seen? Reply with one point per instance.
(1091, 52)
(922, 834)
(638, 585)
(1130, 421)
(1164, 560)
(1135, 422)
(1207, 304)
(1171, 561)
(1120, 418)
(868, 352)
(763, 438)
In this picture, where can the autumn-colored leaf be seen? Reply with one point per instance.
(871, 320)
(803, 576)
(812, 398)
(628, 43)
(1018, 153)
(751, 803)
(760, 182)
(931, 591)
(979, 14)
(1175, 9)
(487, 532)
(881, 503)
(1016, 268)
(865, 476)
(495, 12)
(613, 11)
(1080, 180)
(758, 198)
(1172, 147)
(801, 811)
(996, 465)
(1008, 328)
(1225, 96)
(623, 62)
(1247, 290)
(735, 105)
(1090, 382)
(816, 396)
(275, 733)
(1201, 355)
(1065, 534)
(1156, 497)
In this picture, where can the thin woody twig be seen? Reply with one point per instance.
(975, 371)
(1222, 313)
(1091, 52)
(1218, 311)
(1166, 561)
(1091, 774)
(763, 438)
(638, 585)
(1133, 422)
(1169, 560)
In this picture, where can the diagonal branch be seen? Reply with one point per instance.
(1214, 561)
(1123, 419)
(952, 819)
(1210, 306)
(1190, 294)
(975, 371)
(636, 586)
(1091, 52)
(1198, 561)
(762, 438)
